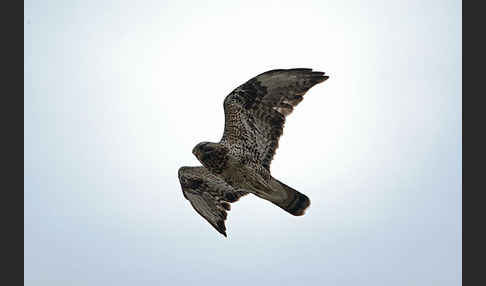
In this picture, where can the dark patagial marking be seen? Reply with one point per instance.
(192, 183)
(195, 184)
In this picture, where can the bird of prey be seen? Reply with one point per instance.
(239, 163)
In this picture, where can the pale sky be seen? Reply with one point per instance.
(117, 93)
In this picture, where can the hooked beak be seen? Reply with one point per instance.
(197, 149)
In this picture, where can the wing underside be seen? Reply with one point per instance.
(208, 194)
(255, 112)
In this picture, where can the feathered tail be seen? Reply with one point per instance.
(296, 202)
(285, 197)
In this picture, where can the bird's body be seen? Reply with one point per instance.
(237, 172)
(240, 163)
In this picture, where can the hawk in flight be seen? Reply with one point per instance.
(239, 163)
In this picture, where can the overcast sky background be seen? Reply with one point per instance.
(117, 93)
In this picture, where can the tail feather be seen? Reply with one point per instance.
(294, 203)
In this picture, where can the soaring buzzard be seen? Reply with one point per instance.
(240, 163)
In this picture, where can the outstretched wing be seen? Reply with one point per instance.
(209, 195)
(255, 111)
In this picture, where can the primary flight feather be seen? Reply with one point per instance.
(239, 163)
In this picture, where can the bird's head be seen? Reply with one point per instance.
(210, 154)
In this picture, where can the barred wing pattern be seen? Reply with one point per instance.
(208, 194)
(255, 112)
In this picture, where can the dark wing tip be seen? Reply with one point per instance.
(221, 228)
(301, 69)
(292, 70)
(322, 78)
(314, 77)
